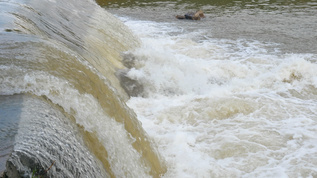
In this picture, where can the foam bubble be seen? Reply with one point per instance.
(225, 108)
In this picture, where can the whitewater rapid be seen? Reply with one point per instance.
(214, 106)
(224, 108)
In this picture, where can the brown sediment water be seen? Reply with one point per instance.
(70, 58)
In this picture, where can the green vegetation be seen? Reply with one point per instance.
(37, 173)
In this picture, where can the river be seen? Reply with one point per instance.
(124, 89)
(231, 95)
(61, 57)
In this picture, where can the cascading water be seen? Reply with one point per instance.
(39, 149)
(231, 95)
(68, 52)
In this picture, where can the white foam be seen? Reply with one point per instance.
(225, 108)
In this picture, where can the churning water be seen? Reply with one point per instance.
(232, 95)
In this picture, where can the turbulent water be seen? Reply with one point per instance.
(62, 58)
(231, 95)
(38, 144)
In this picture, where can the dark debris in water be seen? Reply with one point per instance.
(13, 30)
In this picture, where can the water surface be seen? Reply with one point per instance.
(232, 95)
(292, 24)
(10, 109)
(67, 54)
